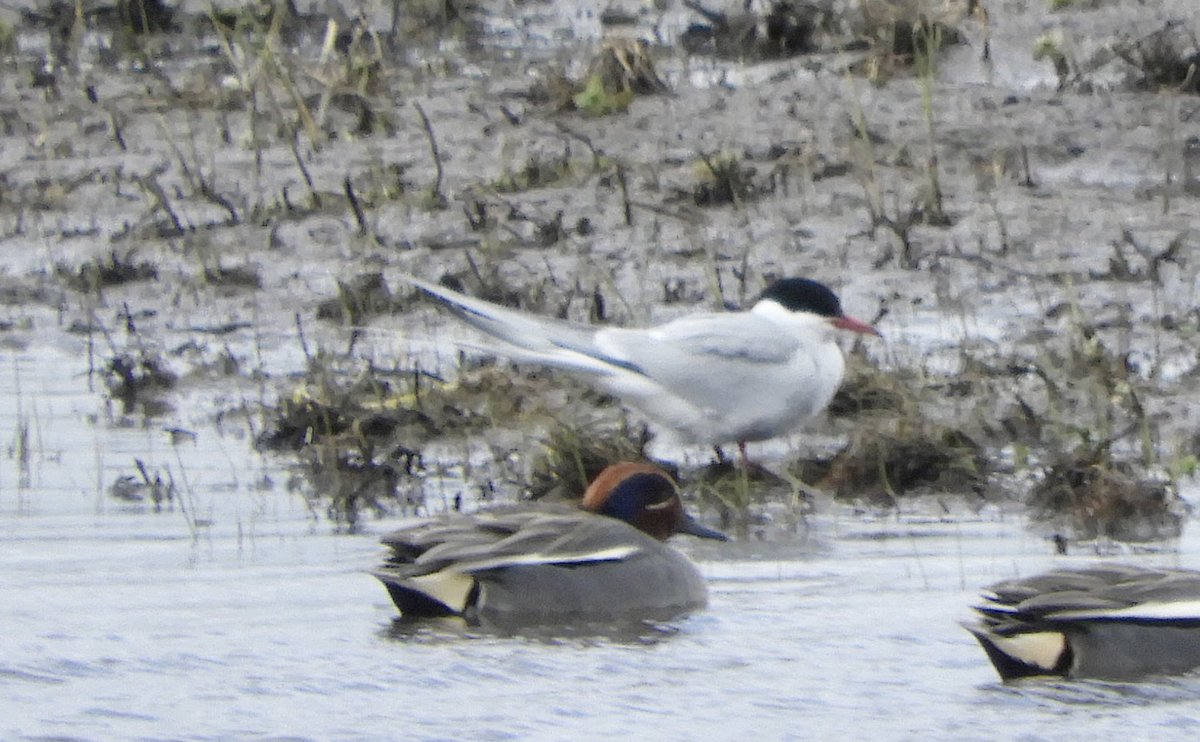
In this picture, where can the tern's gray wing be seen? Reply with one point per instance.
(675, 348)
(740, 337)
(714, 361)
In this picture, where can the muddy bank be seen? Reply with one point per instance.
(215, 209)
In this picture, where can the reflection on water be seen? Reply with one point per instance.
(1051, 693)
(453, 629)
(121, 622)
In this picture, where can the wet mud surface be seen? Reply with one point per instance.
(217, 215)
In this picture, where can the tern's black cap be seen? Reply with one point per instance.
(804, 295)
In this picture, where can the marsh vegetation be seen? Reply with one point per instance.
(216, 202)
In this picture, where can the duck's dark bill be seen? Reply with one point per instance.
(693, 527)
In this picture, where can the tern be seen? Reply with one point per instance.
(713, 378)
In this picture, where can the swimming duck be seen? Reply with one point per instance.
(538, 563)
(712, 377)
(1110, 622)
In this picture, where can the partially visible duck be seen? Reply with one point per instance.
(539, 563)
(1110, 622)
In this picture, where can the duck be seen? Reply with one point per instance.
(712, 378)
(545, 563)
(1107, 622)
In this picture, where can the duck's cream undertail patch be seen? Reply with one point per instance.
(1155, 611)
(1040, 649)
(611, 554)
(449, 588)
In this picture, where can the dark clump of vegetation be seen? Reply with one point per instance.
(146, 16)
(138, 380)
(621, 71)
(325, 406)
(912, 458)
(413, 406)
(904, 40)
(1090, 406)
(352, 440)
(728, 181)
(870, 389)
(574, 456)
(536, 172)
(112, 270)
(1167, 58)
(741, 492)
(145, 487)
(786, 29)
(358, 440)
(363, 296)
(484, 395)
(243, 276)
(1091, 495)
(897, 450)
(906, 34)
(348, 474)
(135, 16)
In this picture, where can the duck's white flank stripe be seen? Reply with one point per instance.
(611, 554)
(451, 589)
(1170, 610)
(1041, 649)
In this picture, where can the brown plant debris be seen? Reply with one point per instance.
(324, 406)
(1167, 58)
(574, 456)
(622, 70)
(358, 441)
(1091, 495)
(347, 474)
(740, 492)
(144, 488)
(354, 442)
(364, 296)
(871, 389)
(626, 65)
(113, 270)
(242, 276)
(728, 180)
(138, 380)
(902, 32)
(787, 28)
(136, 16)
(881, 465)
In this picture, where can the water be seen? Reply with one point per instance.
(236, 614)
(243, 617)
